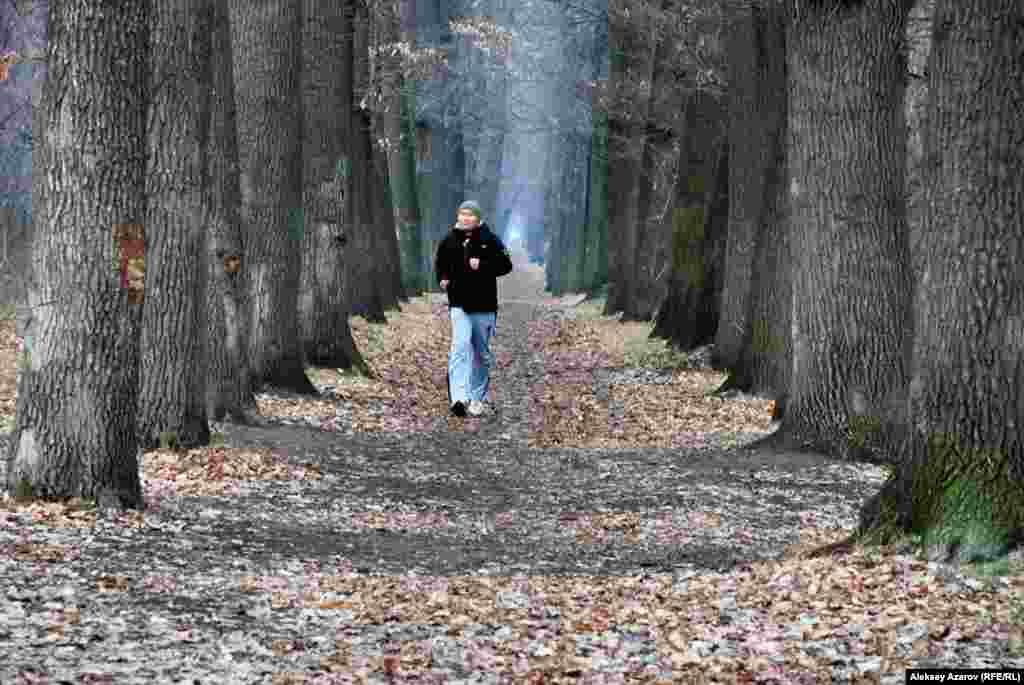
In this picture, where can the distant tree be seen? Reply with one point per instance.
(265, 38)
(959, 478)
(172, 393)
(846, 156)
(75, 430)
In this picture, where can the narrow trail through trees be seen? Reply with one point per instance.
(470, 494)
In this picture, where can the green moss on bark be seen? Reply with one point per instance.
(952, 499)
(687, 245)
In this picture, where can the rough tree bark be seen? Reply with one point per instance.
(365, 271)
(643, 300)
(763, 364)
(381, 219)
(595, 271)
(746, 180)
(229, 391)
(400, 126)
(847, 155)
(172, 392)
(688, 316)
(626, 136)
(387, 232)
(323, 303)
(74, 433)
(959, 482)
(266, 39)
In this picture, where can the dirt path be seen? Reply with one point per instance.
(758, 501)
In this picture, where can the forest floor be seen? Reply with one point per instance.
(602, 524)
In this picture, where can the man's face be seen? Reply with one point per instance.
(468, 219)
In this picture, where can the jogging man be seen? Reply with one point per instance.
(469, 261)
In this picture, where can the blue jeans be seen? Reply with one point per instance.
(470, 358)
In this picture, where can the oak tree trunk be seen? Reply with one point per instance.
(229, 391)
(746, 180)
(959, 482)
(765, 358)
(846, 153)
(266, 39)
(643, 300)
(323, 302)
(172, 392)
(391, 283)
(596, 267)
(688, 315)
(631, 66)
(75, 429)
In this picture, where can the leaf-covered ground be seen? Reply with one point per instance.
(599, 525)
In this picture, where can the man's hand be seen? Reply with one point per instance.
(444, 284)
(474, 263)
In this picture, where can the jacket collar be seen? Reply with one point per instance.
(481, 231)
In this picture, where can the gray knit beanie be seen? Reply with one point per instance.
(470, 206)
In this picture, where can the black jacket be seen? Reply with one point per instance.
(473, 291)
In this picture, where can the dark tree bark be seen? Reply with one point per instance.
(919, 39)
(367, 299)
(399, 125)
(626, 143)
(366, 272)
(846, 154)
(596, 266)
(380, 222)
(323, 303)
(959, 482)
(172, 392)
(75, 431)
(759, 119)
(266, 39)
(391, 283)
(688, 315)
(229, 391)
(746, 136)
(643, 300)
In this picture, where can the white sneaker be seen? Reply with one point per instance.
(476, 407)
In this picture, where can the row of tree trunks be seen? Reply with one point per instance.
(78, 388)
